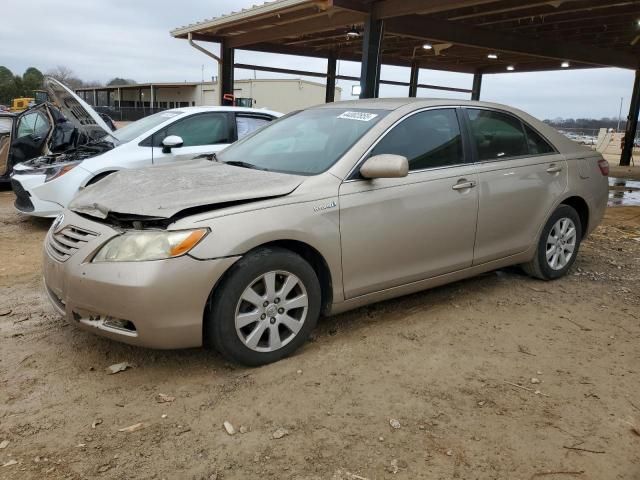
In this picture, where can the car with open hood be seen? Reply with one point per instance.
(322, 211)
(45, 185)
(48, 128)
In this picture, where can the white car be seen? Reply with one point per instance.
(45, 185)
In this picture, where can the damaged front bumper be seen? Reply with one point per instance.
(156, 304)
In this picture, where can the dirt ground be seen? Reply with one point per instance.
(446, 364)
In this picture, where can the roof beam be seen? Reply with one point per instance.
(440, 30)
(294, 29)
(400, 8)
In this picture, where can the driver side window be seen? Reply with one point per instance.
(198, 130)
(33, 123)
(428, 139)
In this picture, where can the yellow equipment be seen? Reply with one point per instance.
(20, 104)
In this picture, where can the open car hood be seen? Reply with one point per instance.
(161, 192)
(76, 110)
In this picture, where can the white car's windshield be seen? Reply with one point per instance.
(306, 143)
(139, 127)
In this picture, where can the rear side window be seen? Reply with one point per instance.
(496, 135)
(197, 130)
(248, 124)
(537, 144)
(428, 139)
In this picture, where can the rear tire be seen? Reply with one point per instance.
(265, 308)
(558, 245)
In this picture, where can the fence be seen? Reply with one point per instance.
(127, 114)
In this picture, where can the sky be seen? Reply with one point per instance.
(103, 39)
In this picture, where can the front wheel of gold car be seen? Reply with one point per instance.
(265, 307)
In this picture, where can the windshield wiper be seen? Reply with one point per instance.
(237, 163)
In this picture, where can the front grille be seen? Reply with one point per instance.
(64, 243)
(23, 200)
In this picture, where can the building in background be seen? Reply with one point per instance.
(131, 102)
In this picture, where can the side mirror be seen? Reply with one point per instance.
(172, 141)
(385, 166)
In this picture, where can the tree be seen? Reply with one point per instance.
(121, 81)
(7, 86)
(65, 75)
(32, 80)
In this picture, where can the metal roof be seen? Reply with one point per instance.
(529, 35)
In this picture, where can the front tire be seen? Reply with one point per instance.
(265, 307)
(558, 245)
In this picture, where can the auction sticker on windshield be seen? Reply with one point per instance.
(360, 116)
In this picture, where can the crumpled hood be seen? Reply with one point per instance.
(163, 191)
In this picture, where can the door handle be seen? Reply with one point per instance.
(554, 168)
(464, 185)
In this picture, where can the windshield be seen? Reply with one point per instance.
(139, 127)
(305, 143)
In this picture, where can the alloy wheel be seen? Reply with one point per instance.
(561, 243)
(271, 311)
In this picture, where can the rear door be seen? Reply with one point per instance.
(399, 230)
(201, 133)
(520, 178)
(31, 134)
(247, 123)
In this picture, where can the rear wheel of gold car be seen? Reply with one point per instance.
(265, 307)
(558, 245)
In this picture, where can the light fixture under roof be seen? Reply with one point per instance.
(565, 64)
(492, 56)
(427, 46)
(511, 68)
(353, 32)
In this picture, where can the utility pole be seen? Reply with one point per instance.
(620, 114)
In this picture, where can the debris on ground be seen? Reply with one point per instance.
(229, 428)
(96, 422)
(279, 433)
(10, 462)
(535, 380)
(243, 429)
(163, 398)
(394, 423)
(4, 444)
(5, 312)
(132, 428)
(118, 367)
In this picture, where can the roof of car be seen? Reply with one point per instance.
(223, 109)
(395, 103)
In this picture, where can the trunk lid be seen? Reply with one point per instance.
(160, 192)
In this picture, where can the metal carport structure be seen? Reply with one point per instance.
(468, 36)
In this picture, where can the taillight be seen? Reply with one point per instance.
(603, 165)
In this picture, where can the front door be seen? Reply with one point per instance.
(520, 177)
(201, 133)
(31, 135)
(397, 231)
(6, 129)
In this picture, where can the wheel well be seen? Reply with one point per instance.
(317, 262)
(580, 206)
(100, 176)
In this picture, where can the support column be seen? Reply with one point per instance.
(413, 79)
(95, 98)
(153, 96)
(330, 93)
(477, 86)
(632, 123)
(226, 75)
(370, 70)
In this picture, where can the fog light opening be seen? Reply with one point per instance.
(119, 324)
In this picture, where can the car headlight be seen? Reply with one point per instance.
(51, 173)
(141, 246)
